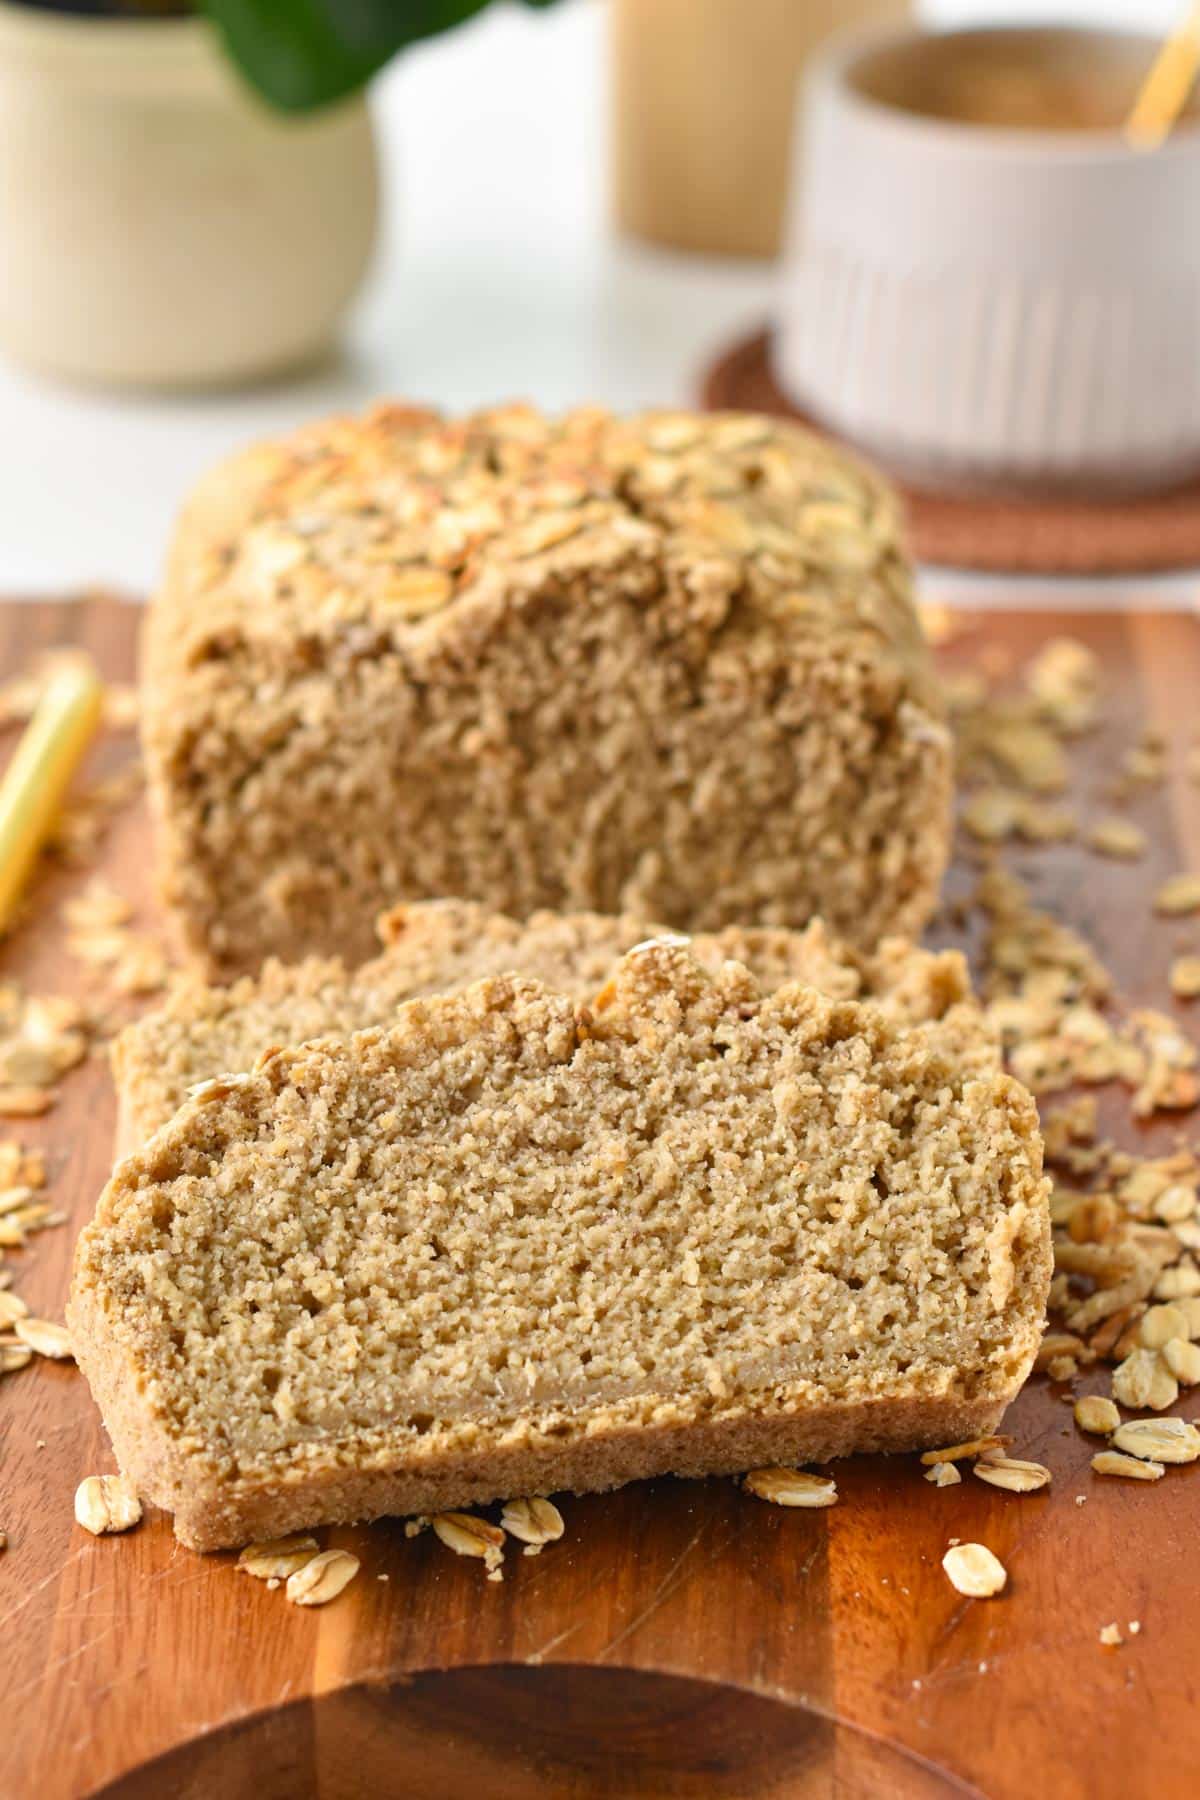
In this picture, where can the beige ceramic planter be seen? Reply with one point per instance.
(988, 306)
(159, 226)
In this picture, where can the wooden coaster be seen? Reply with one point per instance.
(1058, 536)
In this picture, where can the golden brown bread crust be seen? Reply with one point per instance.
(439, 945)
(211, 1514)
(510, 1245)
(668, 665)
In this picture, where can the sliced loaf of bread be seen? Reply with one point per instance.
(514, 1245)
(440, 945)
(668, 664)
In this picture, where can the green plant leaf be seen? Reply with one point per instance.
(302, 54)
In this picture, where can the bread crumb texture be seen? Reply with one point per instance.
(667, 664)
(436, 946)
(512, 1238)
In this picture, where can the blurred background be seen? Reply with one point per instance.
(516, 202)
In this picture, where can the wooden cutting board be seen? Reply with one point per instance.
(683, 1638)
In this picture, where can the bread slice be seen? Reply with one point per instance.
(434, 946)
(513, 1245)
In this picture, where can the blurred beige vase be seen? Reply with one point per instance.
(159, 225)
(703, 97)
(985, 286)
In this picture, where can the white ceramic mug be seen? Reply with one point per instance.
(987, 307)
(159, 225)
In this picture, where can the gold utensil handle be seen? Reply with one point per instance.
(1164, 93)
(35, 782)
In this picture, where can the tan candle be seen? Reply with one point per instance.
(704, 94)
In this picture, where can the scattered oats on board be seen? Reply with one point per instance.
(106, 1503)
(1183, 1360)
(142, 968)
(43, 1038)
(1178, 895)
(1176, 1203)
(1097, 1415)
(468, 1535)
(960, 1452)
(1065, 1128)
(1180, 1284)
(1144, 1380)
(992, 814)
(1116, 1462)
(24, 1102)
(995, 814)
(21, 1166)
(1185, 977)
(277, 1558)
(1129, 1240)
(90, 811)
(1065, 680)
(12, 1308)
(1159, 1440)
(1159, 1324)
(1110, 1635)
(974, 1571)
(1028, 754)
(97, 907)
(1058, 1347)
(46, 1338)
(943, 1474)
(791, 1487)
(1144, 764)
(322, 1579)
(1038, 823)
(101, 937)
(1117, 838)
(1012, 1473)
(1127, 1341)
(535, 1522)
(15, 1199)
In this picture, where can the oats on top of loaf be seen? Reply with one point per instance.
(385, 519)
(668, 664)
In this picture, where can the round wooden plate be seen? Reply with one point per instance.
(1053, 536)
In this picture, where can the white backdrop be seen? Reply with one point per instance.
(498, 276)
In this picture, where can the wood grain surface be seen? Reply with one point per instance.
(683, 1638)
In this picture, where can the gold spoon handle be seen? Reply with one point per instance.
(1164, 93)
(31, 793)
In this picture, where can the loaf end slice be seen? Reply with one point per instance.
(440, 945)
(668, 664)
(516, 1245)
